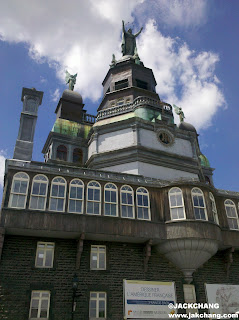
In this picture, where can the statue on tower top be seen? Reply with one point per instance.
(179, 112)
(128, 41)
(71, 79)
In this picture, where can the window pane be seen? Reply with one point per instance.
(73, 192)
(113, 209)
(21, 201)
(124, 197)
(130, 212)
(60, 203)
(197, 213)
(124, 212)
(201, 202)
(96, 207)
(48, 262)
(43, 189)
(179, 200)
(145, 201)
(34, 313)
(140, 213)
(97, 194)
(140, 200)
(107, 209)
(53, 203)
(180, 213)
(78, 206)
(89, 207)
(113, 196)
(41, 203)
(107, 195)
(79, 193)
(61, 191)
(90, 194)
(129, 198)
(16, 186)
(23, 187)
(102, 260)
(36, 187)
(195, 201)
(43, 314)
(146, 213)
(54, 190)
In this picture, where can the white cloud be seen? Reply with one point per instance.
(55, 95)
(2, 166)
(81, 36)
(184, 77)
(175, 13)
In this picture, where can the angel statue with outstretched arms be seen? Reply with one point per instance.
(128, 41)
(180, 112)
(71, 79)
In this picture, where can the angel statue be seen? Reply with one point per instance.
(128, 41)
(179, 111)
(71, 80)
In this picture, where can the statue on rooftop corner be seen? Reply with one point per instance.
(180, 112)
(71, 79)
(128, 41)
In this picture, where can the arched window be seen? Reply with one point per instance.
(18, 197)
(127, 202)
(58, 194)
(93, 198)
(231, 212)
(77, 156)
(142, 201)
(39, 192)
(111, 200)
(176, 204)
(76, 196)
(214, 208)
(199, 204)
(61, 153)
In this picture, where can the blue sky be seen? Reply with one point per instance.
(191, 45)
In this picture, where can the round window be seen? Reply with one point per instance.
(165, 137)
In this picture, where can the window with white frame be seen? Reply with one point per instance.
(97, 305)
(39, 192)
(58, 194)
(19, 189)
(176, 204)
(232, 216)
(40, 303)
(98, 258)
(200, 211)
(127, 202)
(214, 208)
(44, 255)
(76, 196)
(142, 201)
(93, 198)
(111, 200)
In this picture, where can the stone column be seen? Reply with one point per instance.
(31, 99)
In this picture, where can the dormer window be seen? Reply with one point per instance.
(141, 84)
(61, 153)
(121, 84)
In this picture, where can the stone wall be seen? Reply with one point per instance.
(18, 276)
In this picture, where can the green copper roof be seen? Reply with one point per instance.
(204, 160)
(71, 128)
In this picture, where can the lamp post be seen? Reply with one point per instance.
(75, 283)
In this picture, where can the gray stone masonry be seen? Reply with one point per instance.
(24, 145)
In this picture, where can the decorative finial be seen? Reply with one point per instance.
(179, 111)
(128, 41)
(71, 79)
(113, 61)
